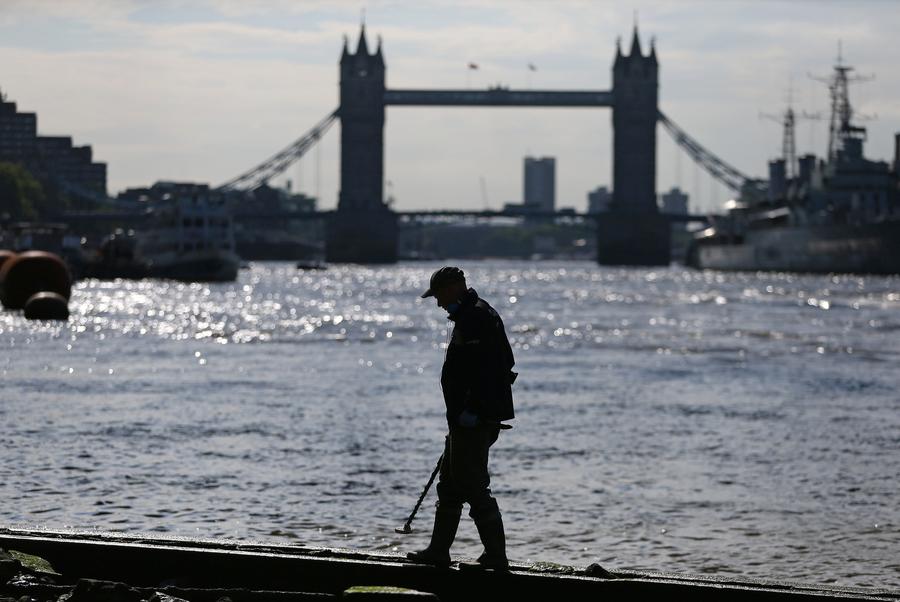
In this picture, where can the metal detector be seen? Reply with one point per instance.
(407, 528)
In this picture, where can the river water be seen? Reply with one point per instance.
(667, 419)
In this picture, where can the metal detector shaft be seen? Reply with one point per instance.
(407, 527)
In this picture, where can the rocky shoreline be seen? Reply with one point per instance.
(29, 578)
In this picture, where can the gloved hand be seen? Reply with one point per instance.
(467, 419)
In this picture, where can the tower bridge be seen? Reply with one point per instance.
(364, 229)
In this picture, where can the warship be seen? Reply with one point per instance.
(839, 214)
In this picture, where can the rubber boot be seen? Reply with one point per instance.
(437, 553)
(490, 530)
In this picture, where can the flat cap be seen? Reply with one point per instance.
(443, 277)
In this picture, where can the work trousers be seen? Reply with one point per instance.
(464, 476)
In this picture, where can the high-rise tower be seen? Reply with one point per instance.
(636, 91)
(539, 191)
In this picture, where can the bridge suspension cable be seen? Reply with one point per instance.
(280, 161)
(716, 167)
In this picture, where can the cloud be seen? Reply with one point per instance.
(203, 90)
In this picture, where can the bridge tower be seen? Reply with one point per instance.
(636, 92)
(364, 229)
(634, 233)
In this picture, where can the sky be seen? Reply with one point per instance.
(204, 90)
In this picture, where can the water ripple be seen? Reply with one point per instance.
(668, 419)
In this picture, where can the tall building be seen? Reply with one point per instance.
(896, 153)
(540, 183)
(18, 133)
(51, 159)
(599, 199)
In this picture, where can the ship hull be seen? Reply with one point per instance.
(210, 265)
(863, 249)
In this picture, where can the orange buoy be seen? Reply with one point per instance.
(47, 306)
(6, 254)
(32, 272)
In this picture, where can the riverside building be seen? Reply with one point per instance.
(50, 159)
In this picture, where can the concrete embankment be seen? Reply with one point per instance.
(76, 566)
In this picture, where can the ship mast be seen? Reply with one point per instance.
(788, 147)
(841, 130)
(788, 120)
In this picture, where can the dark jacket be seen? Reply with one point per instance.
(477, 373)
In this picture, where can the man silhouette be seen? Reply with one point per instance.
(476, 381)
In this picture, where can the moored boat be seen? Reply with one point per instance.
(840, 214)
(865, 248)
(190, 237)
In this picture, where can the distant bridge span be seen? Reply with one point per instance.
(75, 217)
(499, 97)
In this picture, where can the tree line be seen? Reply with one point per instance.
(25, 198)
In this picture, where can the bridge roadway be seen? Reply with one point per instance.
(499, 97)
(74, 217)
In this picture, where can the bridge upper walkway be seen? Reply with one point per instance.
(499, 97)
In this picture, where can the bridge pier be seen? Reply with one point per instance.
(631, 239)
(361, 237)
